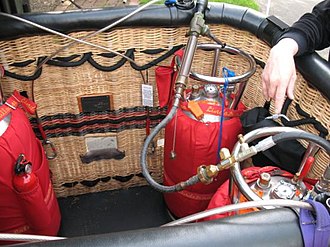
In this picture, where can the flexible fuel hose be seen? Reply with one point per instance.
(286, 136)
(239, 206)
(162, 188)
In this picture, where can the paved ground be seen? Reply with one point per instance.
(64, 5)
(289, 11)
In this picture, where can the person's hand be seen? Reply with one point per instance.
(279, 75)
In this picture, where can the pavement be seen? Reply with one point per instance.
(289, 11)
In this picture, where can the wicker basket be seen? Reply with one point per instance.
(57, 89)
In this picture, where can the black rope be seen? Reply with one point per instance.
(67, 62)
(157, 60)
(23, 64)
(92, 183)
(67, 59)
(121, 62)
(286, 105)
(35, 76)
(259, 62)
(318, 126)
(323, 132)
(153, 51)
(107, 55)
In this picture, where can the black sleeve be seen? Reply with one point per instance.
(312, 30)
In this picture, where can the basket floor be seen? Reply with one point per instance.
(112, 211)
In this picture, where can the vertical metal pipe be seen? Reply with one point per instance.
(2, 99)
(215, 62)
(238, 95)
(185, 68)
(1, 96)
(188, 56)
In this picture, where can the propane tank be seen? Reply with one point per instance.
(191, 139)
(28, 203)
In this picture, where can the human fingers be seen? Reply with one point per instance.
(279, 97)
(265, 83)
(290, 89)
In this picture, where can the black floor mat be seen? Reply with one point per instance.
(112, 211)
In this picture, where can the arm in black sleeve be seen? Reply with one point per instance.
(312, 30)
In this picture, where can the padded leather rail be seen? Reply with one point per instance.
(271, 228)
(156, 15)
(315, 69)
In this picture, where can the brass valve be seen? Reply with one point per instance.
(206, 174)
(226, 160)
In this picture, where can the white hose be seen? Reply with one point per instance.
(243, 205)
(26, 237)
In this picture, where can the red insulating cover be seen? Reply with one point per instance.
(35, 211)
(196, 143)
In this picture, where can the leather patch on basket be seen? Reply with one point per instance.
(108, 153)
(95, 103)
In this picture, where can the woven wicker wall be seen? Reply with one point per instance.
(57, 89)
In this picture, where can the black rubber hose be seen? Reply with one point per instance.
(286, 136)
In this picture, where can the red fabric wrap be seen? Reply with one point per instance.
(35, 211)
(165, 79)
(196, 144)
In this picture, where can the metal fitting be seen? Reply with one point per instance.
(197, 24)
(226, 159)
(244, 146)
(263, 181)
(247, 153)
(323, 185)
(206, 174)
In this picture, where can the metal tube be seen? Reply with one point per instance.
(2, 99)
(243, 205)
(238, 95)
(236, 170)
(323, 184)
(27, 237)
(231, 80)
(187, 59)
(215, 62)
